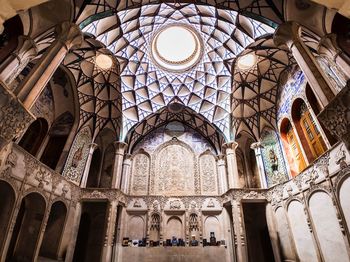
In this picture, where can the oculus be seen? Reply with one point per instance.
(104, 61)
(247, 61)
(176, 48)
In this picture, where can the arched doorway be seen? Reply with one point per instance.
(34, 136)
(53, 232)
(28, 225)
(7, 201)
(107, 167)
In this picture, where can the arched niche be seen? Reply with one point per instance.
(274, 165)
(53, 231)
(194, 227)
(292, 148)
(140, 173)
(155, 227)
(344, 196)
(307, 130)
(245, 142)
(327, 227)
(284, 235)
(208, 173)
(25, 236)
(304, 243)
(33, 138)
(212, 224)
(7, 202)
(174, 170)
(174, 228)
(58, 136)
(136, 228)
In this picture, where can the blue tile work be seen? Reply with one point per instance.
(292, 89)
(274, 164)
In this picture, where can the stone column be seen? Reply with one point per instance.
(221, 166)
(93, 147)
(118, 164)
(257, 147)
(288, 34)
(126, 173)
(232, 169)
(74, 232)
(336, 116)
(110, 231)
(68, 36)
(18, 60)
(239, 233)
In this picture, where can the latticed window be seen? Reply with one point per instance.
(155, 222)
(312, 133)
(193, 222)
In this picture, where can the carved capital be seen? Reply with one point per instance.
(15, 118)
(93, 147)
(26, 49)
(69, 34)
(256, 145)
(120, 147)
(287, 34)
(336, 115)
(230, 147)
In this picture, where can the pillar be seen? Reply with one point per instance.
(18, 60)
(288, 34)
(232, 169)
(93, 147)
(68, 35)
(221, 166)
(239, 233)
(118, 164)
(257, 147)
(74, 232)
(126, 174)
(110, 232)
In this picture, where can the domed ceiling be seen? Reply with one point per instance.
(211, 84)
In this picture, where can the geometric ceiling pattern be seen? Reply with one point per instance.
(181, 114)
(98, 87)
(254, 91)
(205, 88)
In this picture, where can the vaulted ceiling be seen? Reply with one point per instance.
(213, 88)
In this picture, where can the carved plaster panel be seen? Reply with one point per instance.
(174, 170)
(208, 173)
(140, 174)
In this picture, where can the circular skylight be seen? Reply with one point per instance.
(104, 61)
(176, 48)
(247, 61)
